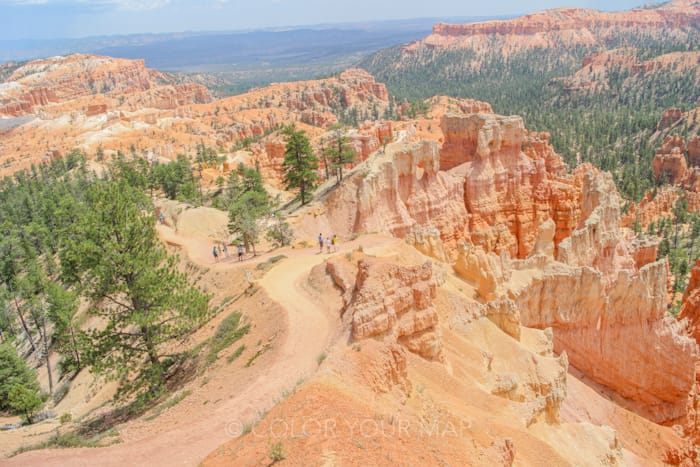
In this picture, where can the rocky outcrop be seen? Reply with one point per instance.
(607, 333)
(513, 181)
(652, 208)
(352, 88)
(540, 384)
(596, 298)
(690, 310)
(486, 271)
(73, 76)
(574, 25)
(504, 185)
(95, 101)
(395, 303)
(644, 251)
(669, 117)
(427, 240)
(441, 105)
(669, 164)
(598, 243)
(399, 189)
(694, 151)
(170, 97)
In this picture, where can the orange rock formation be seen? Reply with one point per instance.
(574, 25)
(88, 101)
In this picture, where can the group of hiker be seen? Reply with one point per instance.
(222, 250)
(331, 243)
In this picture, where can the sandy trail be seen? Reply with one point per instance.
(189, 442)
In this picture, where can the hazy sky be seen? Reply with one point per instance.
(21, 19)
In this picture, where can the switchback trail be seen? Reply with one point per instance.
(189, 441)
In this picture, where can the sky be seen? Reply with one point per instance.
(46, 19)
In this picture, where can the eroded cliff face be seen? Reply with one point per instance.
(503, 186)
(396, 303)
(676, 163)
(569, 25)
(669, 164)
(541, 248)
(607, 333)
(513, 181)
(606, 313)
(398, 190)
(690, 310)
(389, 302)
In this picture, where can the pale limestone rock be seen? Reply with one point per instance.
(485, 271)
(396, 303)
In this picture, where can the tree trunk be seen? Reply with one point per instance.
(675, 236)
(46, 355)
(325, 165)
(150, 346)
(74, 345)
(24, 323)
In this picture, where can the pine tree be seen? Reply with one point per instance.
(251, 203)
(114, 257)
(299, 164)
(339, 152)
(62, 307)
(14, 372)
(24, 400)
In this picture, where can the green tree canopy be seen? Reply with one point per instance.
(299, 164)
(339, 152)
(113, 256)
(176, 179)
(250, 204)
(24, 400)
(14, 372)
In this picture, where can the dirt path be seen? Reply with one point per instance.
(191, 440)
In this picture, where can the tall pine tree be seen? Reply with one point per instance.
(299, 164)
(114, 257)
(250, 202)
(339, 152)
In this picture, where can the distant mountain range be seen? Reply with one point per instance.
(223, 50)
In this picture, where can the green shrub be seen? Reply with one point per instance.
(277, 452)
(237, 353)
(228, 332)
(14, 372)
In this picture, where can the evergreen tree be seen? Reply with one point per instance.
(62, 307)
(24, 400)
(114, 257)
(251, 203)
(339, 152)
(299, 164)
(176, 179)
(14, 372)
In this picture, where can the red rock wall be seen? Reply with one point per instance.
(513, 181)
(396, 303)
(690, 309)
